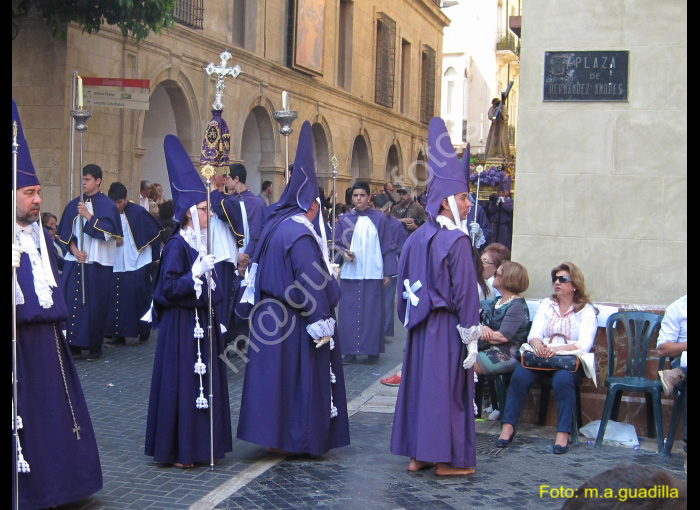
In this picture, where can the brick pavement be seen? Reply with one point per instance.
(362, 475)
(117, 389)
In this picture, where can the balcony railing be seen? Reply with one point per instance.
(507, 41)
(189, 13)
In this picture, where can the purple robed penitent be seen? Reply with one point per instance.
(434, 419)
(56, 435)
(176, 430)
(287, 391)
(131, 295)
(363, 327)
(62, 468)
(290, 386)
(87, 325)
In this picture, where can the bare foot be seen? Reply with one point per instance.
(183, 466)
(417, 465)
(447, 470)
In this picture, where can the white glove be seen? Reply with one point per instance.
(336, 270)
(475, 229)
(472, 350)
(322, 341)
(202, 265)
(16, 255)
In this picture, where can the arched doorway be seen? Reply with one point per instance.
(257, 146)
(393, 165)
(360, 165)
(167, 114)
(321, 152)
(418, 172)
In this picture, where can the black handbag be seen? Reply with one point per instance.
(568, 362)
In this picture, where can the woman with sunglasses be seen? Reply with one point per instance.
(566, 321)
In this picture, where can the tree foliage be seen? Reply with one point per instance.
(135, 18)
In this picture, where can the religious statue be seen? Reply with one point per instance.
(497, 145)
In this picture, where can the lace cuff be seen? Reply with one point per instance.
(469, 335)
(198, 286)
(319, 329)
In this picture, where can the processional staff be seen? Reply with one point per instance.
(478, 171)
(15, 436)
(215, 153)
(81, 116)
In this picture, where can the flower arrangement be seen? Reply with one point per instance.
(492, 176)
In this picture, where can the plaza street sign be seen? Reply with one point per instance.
(586, 76)
(107, 98)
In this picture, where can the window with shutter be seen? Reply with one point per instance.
(385, 62)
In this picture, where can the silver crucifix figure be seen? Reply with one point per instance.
(222, 71)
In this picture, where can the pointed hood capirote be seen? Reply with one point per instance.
(26, 175)
(447, 177)
(186, 184)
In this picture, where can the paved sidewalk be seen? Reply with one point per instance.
(362, 475)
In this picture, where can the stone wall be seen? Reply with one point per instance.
(604, 185)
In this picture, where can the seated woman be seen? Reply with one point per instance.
(492, 257)
(566, 321)
(505, 320)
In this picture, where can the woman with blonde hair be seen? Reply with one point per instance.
(564, 322)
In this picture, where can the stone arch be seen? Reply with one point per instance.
(256, 146)
(323, 146)
(172, 110)
(417, 174)
(393, 170)
(322, 153)
(361, 160)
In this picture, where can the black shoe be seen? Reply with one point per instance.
(373, 358)
(94, 356)
(560, 450)
(77, 352)
(349, 359)
(114, 341)
(144, 338)
(502, 443)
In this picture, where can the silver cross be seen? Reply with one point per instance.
(222, 71)
(76, 431)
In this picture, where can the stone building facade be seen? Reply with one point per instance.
(376, 87)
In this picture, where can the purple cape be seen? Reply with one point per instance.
(145, 229)
(105, 218)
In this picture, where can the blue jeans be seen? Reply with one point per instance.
(676, 363)
(563, 383)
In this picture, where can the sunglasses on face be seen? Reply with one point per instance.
(562, 279)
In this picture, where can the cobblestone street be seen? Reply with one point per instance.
(362, 475)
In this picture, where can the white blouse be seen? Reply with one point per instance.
(572, 327)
